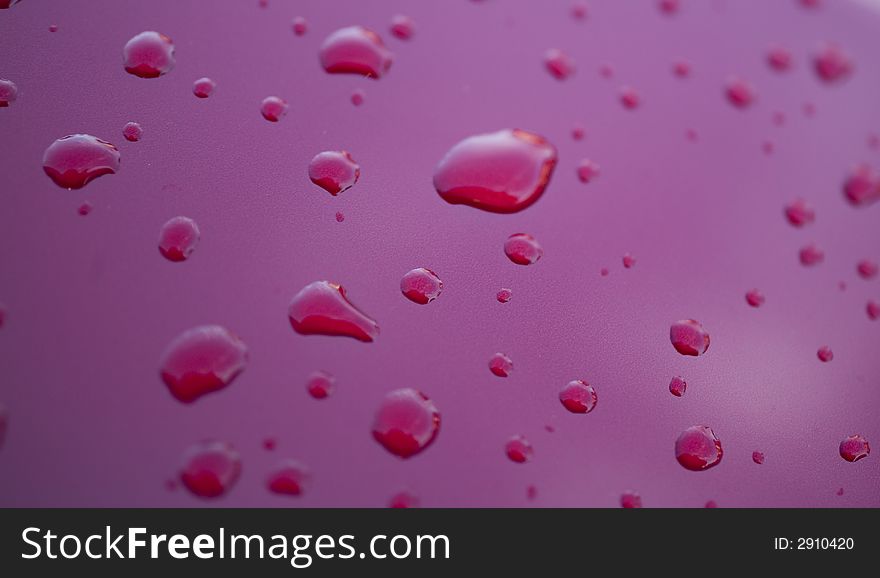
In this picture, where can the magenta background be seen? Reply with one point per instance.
(91, 303)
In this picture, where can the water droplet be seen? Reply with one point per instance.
(688, 337)
(404, 500)
(500, 365)
(501, 172)
(668, 7)
(811, 255)
(579, 10)
(678, 386)
(739, 93)
(629, 98)
(531, 492)
(754, 298)
(132, 131)
(711, 504)
(288, 478)
(8, 92)
(523, 249)
(867, 269)
(628, 261)
(504, 295)
(334, 171)
(204, 87)
(148, 55)
(873, 309)
(698, 449)
(299, 25)
(691, 135)
(322, 308)
(202, 360)
(825, 354)
(758, 457)
(681, 69)
(832, 64)
(357, 97)
(178, 238)
(273, 108)
(779, 59)
(630, 500)
(839, 491)
(321, 384)
(85, 208)
(578, 133)
(578, 396)
(269, 444)
(558, 64)
(407, 422)
(854, 447)
(75, 160)
(402, 27)
(355, 50)
(340, 216)
(421, 286)
(210, 468)
(799, 213)
(519, 450)
(587, 170)
(53, 28)
(862, 186)
(603, 271)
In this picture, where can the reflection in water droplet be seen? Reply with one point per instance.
(421, 286)
(519, 450)
(406, 423)
(500, 365)
(754, 298)
(75, 160)
(688, 337)
(504, 295)
(273, 108)
(630, 499)
(210, 469)
(321, 384)
(204, 87)
(334, 171)
(758, 457)
(558, 64)
(698, 449)
(832, 64)
(523, 249)
(202, 360)
(501, 172)
(8, 92)
(825, 354)
(322, 308)
(288, 478)
(178, 238)
(355, 50)
(678, 386)
(402, 27)
(132, 131)
(148, 55)
(811, 255)
(578, 396)
(799, 213)
(854, 447)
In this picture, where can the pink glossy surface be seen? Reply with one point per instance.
(91, 304)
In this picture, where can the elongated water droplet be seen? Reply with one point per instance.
(421, 286)
(299, 25)
(854, 447)
(178, 238)
(148, 55)
(698, 449)
(322, 308)
(355, 50)
(202, 360)
(578, 396)
(334, 171)
(688, 337)
(873, 309)
(628, 261)
(4, 424)
(406, 423)
(288, 478)
(75, 160)
(210, 468)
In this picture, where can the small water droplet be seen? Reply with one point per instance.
(500, 365)
(402, 27)
(681, 69)
(578, 396)
(629, 261)
(204, 87)
(587, 170)
(75, 160)
(711, 504)
(873, 309)
(406, 423)
(523, 249)
(421, 286)
(558, 64)
(668, 7)
(603, 272)
(832, 64)
(202, 360)
(799, 213)
(53, 28)
(340, 216)
(273, 108)
(269, 444)
(178, 238)
(688, 337)
(691, 135)
(630, 499)
(501, 172)
(578, 132)
(754, 298)
(322, 308)
(85, 208)
(519, 450)
(210, 468)
(132, 131)
(629, 98)
(8, 92)
(740, 93)
(779, 59)
(404, 500)
(504, 295)
(171, 485)
(334, 171)
(854, 447)
(698, 449)
(321, 384)
(288, 478)
(867, 269)
(355, 50)
(579, 11)
(148, 55)
(678, 386)
(811, 255)
(299, 25)
(839, 491)
(825, 354)
(531, 492)
(758, 457)
(862, 186)
(357, 96)
(767, 147)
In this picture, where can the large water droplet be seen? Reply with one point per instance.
(578, 396)
(421, 286)
(406, 423)
(519, 450)
(334, 171)
(178, 238)
(832, 64)
(75, 160)
(321, 384)
(210, 468)
(698, 449)
(8, 92)
(500, 172)
(688, 337)
(288, 478)
(500, 365)
(148, 55)
(523, 249)
(355, 50)
(854, 447)
(202, 360)
(322, 308)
